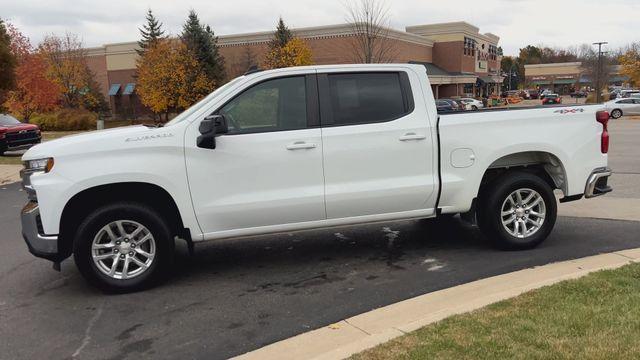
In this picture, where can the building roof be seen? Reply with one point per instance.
(438, 75)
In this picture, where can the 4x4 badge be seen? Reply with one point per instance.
(569, 111)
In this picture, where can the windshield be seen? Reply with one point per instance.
(185, 114)
(8, 120)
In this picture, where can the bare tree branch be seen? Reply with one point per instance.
(369, 20)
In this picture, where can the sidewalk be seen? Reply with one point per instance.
(364, 331)
(9, 173)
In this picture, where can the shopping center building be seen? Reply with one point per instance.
(563, 78)
(458, 58)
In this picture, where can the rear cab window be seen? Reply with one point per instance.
(364, 97)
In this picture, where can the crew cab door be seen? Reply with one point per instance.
(267, 170)
(378, 144)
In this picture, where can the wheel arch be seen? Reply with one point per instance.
(545, 164)
(82, 203)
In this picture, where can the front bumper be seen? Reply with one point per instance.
(597, 184)
(40, 245)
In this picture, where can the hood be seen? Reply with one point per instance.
(101, 140)
(18, 127)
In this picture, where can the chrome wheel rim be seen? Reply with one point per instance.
(523, 213)
(123, 249)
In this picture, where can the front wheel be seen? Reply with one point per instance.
(518, 211)
(123, 247)
(616, 114)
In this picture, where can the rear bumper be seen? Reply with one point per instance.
(40, 245)
(597, 184)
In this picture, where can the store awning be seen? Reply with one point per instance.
(129, 89)
(114, 89)
(439, 76)
(492, 79)
(564, 82)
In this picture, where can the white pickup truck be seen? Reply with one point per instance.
(304, 148)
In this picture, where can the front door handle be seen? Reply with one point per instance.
(412, 136)
(300, 145)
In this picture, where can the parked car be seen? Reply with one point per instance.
(545, 93)
(619, 107)
(579, 94)
(444, 106)
(454, 104)
(304, 148)
(533, 94)
(472, 104)
(15, 135)
(628, 93)
(550, 99)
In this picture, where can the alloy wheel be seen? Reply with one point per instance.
(123, 249)
(523, 213)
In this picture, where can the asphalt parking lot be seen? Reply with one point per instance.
(236, 296)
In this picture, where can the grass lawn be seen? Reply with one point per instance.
(595, 317)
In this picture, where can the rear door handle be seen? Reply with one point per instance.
(300, 145)
(412, 136)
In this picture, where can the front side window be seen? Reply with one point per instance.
(273, 105)
(366, 98)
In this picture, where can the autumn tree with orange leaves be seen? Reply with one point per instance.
(34, 91)
(286, 50)
(170, 79)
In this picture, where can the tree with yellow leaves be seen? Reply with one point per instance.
(285, 50)
(630, 62)
(170, 79)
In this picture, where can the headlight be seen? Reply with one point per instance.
(44, 165)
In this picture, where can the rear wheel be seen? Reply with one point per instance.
(616, 114)
(123, 247)
(517, 211)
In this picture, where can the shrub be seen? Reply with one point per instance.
(66, 120)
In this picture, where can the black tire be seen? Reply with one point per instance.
(490, 209)
(128, 211)
(616, 113)
(474, 108)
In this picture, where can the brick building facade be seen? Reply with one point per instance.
(458, 58)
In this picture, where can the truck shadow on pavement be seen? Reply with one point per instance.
(385, 247)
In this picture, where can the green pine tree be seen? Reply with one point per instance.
(202, 41)
(7, 64)
(282, 35)
(151, 32)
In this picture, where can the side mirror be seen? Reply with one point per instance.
(210, 127)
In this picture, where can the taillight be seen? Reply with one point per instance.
(603, 118)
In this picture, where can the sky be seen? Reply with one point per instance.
(555, 23)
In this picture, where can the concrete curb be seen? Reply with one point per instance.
(375, 327)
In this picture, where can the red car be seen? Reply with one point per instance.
(551, 99)
(15, 135)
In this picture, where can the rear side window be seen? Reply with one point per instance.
(273, 105)
(628, 101)
(360, 98)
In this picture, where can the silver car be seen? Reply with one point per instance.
(619, 107)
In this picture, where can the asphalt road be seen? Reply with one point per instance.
(236, 296)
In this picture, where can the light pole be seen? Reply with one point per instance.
(511, 72)
(599, 70)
